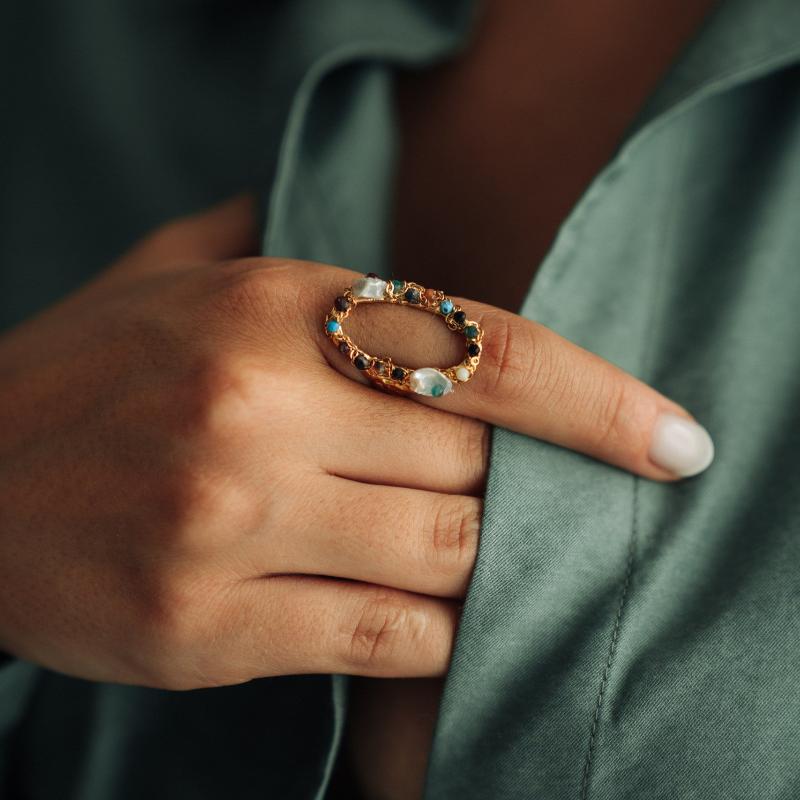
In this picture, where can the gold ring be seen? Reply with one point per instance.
(382, 371)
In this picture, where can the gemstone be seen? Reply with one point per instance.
(361, 362)
(341, 303)
(430, 295)
(344, 347)
(471, 332)
(412, 295)
(332, 326)
(370, 288)
(398, 374)
(474, 349)
(380, 367)
(446, 306)
(462, 374)
(459, 318)
(430, 382)
(398, 286)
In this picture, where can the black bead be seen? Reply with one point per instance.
(344, 347)
(412, 295)
(398, 374)
(361, 362)
(474, 349)
(372, 275)
(341, 303)
(459, 318)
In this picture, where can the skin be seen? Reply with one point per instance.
(530, 112)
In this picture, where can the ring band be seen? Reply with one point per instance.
(383, 371)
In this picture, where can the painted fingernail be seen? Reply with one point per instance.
(681, 446)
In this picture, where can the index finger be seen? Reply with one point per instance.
(535, 382)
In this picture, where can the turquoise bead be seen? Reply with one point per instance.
(332, 326)
(445, 307)
(471, 332)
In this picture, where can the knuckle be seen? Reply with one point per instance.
(201, 512)
(514, 360)
(197, 497)
(246, 289)
(219, 393)
(256, 298)
(451, 536)
(380, 629)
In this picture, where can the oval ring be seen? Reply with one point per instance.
(383, 371)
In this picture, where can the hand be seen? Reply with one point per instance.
(192, 496)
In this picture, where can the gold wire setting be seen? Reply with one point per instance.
(382, 370)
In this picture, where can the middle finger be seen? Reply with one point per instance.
(383, 439)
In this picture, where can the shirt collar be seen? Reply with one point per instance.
(740, 41)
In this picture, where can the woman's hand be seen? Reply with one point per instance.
(193, 496)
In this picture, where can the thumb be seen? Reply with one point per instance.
(225, 231)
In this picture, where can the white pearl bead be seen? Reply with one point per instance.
(371, 288)
(430, 382)
(462, 373)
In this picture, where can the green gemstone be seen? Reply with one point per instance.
(471, 332)
(398, 286)
(437, 391)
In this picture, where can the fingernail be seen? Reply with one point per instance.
(681, 446)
